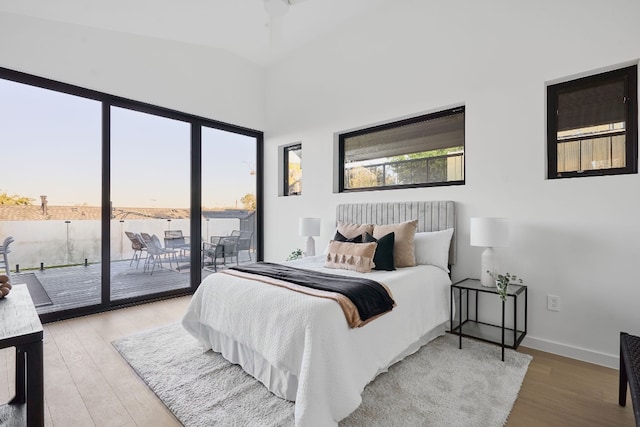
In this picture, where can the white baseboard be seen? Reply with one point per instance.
(590, 356)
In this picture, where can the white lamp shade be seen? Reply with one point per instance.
(489, 232)
(309, 227)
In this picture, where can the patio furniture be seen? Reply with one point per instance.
(231, 243)
(156, 253)
(244, 242)
(138, 246)
(214, 250)
(219, 249)
(4, 251)
(174, 239)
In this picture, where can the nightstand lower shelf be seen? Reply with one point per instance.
(489, 333)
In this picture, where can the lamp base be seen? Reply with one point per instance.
(311, 247)
(489, 263)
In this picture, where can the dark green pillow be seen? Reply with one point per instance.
(383, 257)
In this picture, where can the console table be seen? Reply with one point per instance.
(20, 327)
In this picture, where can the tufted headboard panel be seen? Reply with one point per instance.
(431, 216)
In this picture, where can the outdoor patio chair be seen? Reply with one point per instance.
(214, 250)
(4, 251)
(138, 246)
(244, 242)
(156, 254)
(231, 243)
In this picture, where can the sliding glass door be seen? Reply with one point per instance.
(229, 199)
(150, 199)
(50, 191)
(108, 201)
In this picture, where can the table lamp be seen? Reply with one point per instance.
(309, 227)
(489, 233)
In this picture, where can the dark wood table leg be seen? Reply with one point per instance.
(19, 398)
(622, 381)
(35, 385)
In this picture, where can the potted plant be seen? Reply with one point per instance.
(502, 282)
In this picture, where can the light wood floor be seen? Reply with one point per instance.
(87, 383)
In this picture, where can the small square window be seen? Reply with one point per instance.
(592, 126)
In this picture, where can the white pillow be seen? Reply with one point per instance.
(432, 248)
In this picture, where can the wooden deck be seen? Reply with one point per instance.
(80, 286)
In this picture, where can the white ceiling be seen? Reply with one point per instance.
(238, 26)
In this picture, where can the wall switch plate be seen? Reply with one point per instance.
(553, 303)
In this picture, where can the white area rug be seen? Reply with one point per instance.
(440, 385)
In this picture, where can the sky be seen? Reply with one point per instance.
(50, 145)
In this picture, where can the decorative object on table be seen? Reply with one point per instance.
(502, 282)
(297, 254)
(489, 233)
(5, 286)
(309, 227)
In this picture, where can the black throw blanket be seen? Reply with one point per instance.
(370, 297)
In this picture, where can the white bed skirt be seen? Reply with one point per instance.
(280, 382)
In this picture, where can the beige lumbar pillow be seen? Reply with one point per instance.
(403, 249)
(351, 256)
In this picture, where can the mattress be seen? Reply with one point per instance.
(300, 346)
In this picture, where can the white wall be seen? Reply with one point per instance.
(193, 79)
(575, 238)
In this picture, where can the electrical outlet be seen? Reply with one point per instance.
(553, 303)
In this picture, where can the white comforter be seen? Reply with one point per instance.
(308, 337)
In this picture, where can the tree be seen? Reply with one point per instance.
(14, 199)
(249, 201)
(295, 178)
(363, 177)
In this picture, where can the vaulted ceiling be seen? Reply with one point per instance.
(242, 27)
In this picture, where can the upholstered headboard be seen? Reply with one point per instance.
(431, 216)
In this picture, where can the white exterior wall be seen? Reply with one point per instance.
(56, 243)
(574, 238)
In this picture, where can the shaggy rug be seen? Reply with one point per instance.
(440, 385)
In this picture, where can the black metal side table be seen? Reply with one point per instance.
(20, 327)
(496, 334)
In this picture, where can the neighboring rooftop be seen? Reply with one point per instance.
(62, 213)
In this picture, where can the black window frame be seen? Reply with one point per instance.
(197, 123)
(629, 75)
(286, 150)
(421, 118)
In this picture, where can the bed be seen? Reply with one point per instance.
(300, 347)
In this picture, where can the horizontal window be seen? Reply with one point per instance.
(422, 151)
(592, 125)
